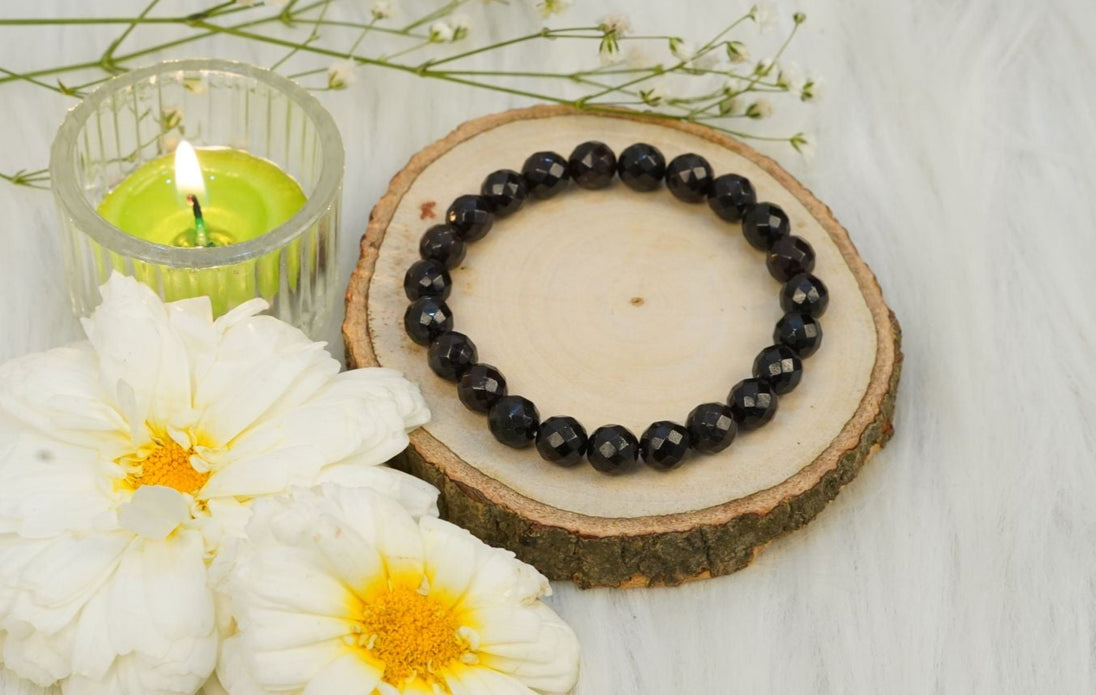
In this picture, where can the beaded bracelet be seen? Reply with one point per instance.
(710, 427)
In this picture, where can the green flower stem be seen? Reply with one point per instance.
(605, 97)
(643, 78)
(153, 49)
(315, 34)
(107, 59)
(436, 14)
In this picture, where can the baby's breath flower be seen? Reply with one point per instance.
(615, 24)
(441, 32)
(653, 95)
(382, 9)
(763, 67)
(790, 77)
(730, 106)
(799, 17)
(812, 89)
(461, 26)
(803, 144)
(733, 86)
(766, 14)
(340, 74)
(707, 60)
(737, 52)
(551, 7)
(761, 108)
(612, 28)
(683, 50)
(636, 56)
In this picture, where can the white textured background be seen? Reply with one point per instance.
(957, 144)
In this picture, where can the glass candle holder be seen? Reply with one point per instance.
(143, 115)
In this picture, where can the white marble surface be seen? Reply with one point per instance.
(956, 143)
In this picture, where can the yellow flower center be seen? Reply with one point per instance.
(169, 465)
(412, 634)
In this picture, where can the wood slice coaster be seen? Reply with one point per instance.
(614, 306)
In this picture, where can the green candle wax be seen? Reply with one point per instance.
(245, 197)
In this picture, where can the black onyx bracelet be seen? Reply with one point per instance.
(710, 427)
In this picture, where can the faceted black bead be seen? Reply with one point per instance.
(753, 403)
(664, 445)
(763, 224)
(514, 421)
(789, 256)
(641, 167)
(689, 177)
(481, 387)
(426, 319)
(805, 294)
(731, 196)
(562, 440)
(711, 427)
(592, 165)
(505, 191)
(800, 332)
(451, 355)
(545, 174)
(471, 216)
(443, 244)
(426, 279)
(613, 449)
(780, 366)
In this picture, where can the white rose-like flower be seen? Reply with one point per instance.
(340, 590)
(126, 460)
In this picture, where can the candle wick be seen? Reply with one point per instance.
(200, 236)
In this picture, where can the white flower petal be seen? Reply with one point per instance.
(160, 593)
(36, 657)
(418, 497)
(482, 681)
(154, 511)
(263, 367)
(389, 385)
(533, 645)
(279, 671)
(47, 582)
(58, 394)
(347, 675)
(384, 524)
(50, 487)
(137, 346)
(479, 574)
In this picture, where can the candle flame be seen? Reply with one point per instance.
(188, 173)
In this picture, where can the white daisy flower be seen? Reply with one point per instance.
(128, 459)
(340, 590)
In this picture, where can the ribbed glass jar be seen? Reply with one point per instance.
(142, 115)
